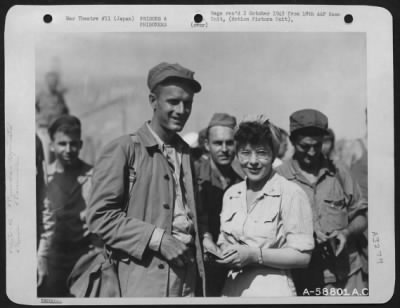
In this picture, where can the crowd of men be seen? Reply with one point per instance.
(162, 225)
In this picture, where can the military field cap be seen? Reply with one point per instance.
(222, 119)
(308, 118)
(164, 71)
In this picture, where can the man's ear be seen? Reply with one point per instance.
(80, 144)
(206, 144)
(152, 100)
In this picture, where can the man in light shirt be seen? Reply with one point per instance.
(339, 209)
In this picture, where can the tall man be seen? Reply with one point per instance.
(156, 235)
(214, 176)
(339, 211)
(64, 238)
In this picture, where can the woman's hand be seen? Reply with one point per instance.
(242, 256)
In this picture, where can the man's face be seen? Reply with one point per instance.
(172, 105)
(221, 145)
(308, 150)
(66, 148)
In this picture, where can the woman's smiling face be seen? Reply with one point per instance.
(256, 161)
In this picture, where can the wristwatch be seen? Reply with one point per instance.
(260, 257)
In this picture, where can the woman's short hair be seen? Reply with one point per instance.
(254, 133)
(67, 124)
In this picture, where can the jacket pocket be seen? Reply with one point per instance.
(334, 215)
(264, 226)
(227, 222)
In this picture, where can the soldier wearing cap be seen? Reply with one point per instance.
(157, 238)
(65, 237)
(214, 176)
(339, 210)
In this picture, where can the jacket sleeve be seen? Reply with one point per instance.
(48, 221)
(357, 204)
(105, 214)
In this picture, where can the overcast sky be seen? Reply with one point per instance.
(241, 73)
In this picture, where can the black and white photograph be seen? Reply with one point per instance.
(225, 156)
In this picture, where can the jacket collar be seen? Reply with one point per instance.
(207, 171)
(327, 168)
(85, 171)
(149, 140)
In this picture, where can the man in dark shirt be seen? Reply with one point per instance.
(214, 175)
(65, 237)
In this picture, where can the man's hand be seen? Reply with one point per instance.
(341, 236)
(321, 237)
(174, 251)
(42, 270)
(82, 216)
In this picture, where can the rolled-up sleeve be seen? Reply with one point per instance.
(357, 204)
(297, 219)
(105, 214)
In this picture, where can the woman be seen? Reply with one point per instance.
(266, 221)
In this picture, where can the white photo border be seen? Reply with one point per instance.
(25, 23)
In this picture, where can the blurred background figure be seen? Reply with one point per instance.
(283, 147)
(50, 105)
(202, 143)
(192, 139)
(328, 145)
(356, 158)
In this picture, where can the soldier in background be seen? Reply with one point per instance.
(339, 209)
(214, 176)
(65, 237)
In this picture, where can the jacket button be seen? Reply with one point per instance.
(166, 177)
(161, 266)
(166, 206)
